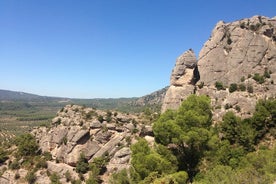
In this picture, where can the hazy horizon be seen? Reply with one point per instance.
(105, 49)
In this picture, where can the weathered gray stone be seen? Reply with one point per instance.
(95, 124)
(123, 118)
(186, 61)
(109, 145)
(81, 137)
(103, 137)
(120, 160)
(233, 52)
(183, 78)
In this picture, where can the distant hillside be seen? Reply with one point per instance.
(134, 104)
(155, 98)
(22, 96)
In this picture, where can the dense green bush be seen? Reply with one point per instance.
(55, 178)
(264, 117)
(250, 88)
(27, 145)
(188, 129)
(242, 79)
(219, 85)
(120, 177)
(259, 78)
(3, 155)
(189, 149)
(233, 87)
(242, 87)
(82, 164)
(146, 160)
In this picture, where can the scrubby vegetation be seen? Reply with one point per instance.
(188, 148)
(219, 85)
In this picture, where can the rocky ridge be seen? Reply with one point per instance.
(94, 133)
(237, 67)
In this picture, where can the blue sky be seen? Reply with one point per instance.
(106, 48)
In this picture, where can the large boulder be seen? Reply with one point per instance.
(120, 160)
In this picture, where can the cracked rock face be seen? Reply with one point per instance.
(182, 80)
(238, 49)
(234, 54)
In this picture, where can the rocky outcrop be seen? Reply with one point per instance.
(183, 79)
(238, 49)
(239, 56)
(94, 133)
(79, 130)
(241, 53)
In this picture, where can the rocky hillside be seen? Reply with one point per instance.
(77, 130)
(155, 98)
(237, 67)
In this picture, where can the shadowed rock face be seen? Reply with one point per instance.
(233, 54)
(183, 78)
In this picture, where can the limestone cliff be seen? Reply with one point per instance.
(241, 58)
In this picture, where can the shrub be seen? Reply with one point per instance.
(68, 176)
(233, 87)
(258, 78)
(14, 165)
(100, 118)
(250, 89)
(229, 41)
(100, 164)
(3, 155)
(47, 155)
(242, 79)
(82, 164)
(219, 85)
(27, 145)
(108, 119)
(242, 25)
(266, 73)
(55, 179)
(242, 87)
(120, 177)
(238, 108)
(228, 106)
(76, 182)
(201, 85)
(41, 163)
(16, 176)
(30, 177)
(64, 140)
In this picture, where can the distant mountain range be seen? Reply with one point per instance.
(123, 104)
(6, 95)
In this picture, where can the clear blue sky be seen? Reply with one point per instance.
(106, 48)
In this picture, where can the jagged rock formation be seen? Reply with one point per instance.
(183, 78)
(238, 49)
(94, 133)
(240, 56)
